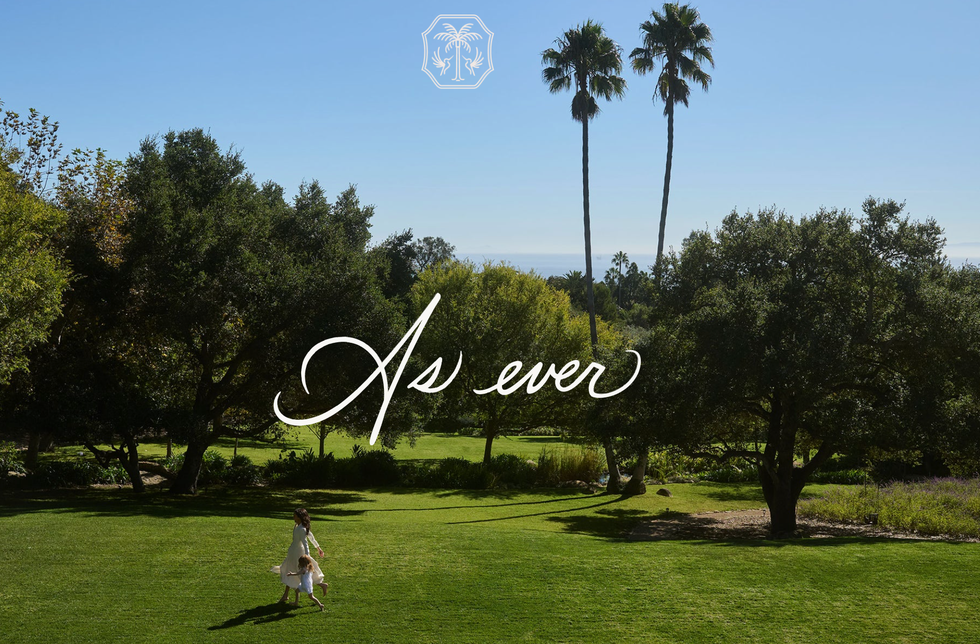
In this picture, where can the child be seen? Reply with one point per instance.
(305, 575)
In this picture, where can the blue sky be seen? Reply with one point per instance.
(813, 104)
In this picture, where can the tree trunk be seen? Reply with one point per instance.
(170, 447)
(781, 497)
(33, 447)
(131, 463)
(636, 484)
(156, 468)
(491, 434)
(589, 294)
(663, 205)
(614, 485)
(186, 481)
(323, 436)
(235, 452)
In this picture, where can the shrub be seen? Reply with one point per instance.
(10, 460)
(669, 466)
(581, 465)
(76, 474)
(512, 471)
(213, 466)
(569, 465)
(549, 468)
(459, 473)
(242, 472)
(731, 473)
(543, 431)
(840, 477)
(937, 506)
(307, 470)
(367, 468)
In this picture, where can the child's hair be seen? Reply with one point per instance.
(305, 563)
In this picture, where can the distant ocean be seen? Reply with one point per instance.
(548, 264)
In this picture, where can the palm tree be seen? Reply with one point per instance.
(679, 41)
(459, 38)
(586, 59)
(619, 259)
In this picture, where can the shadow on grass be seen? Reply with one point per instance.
(610, 500)
(278, 504)
(549, 440)
(480, 495)
(266, 614)
(712, 530)
(731, 491)
(614, 523)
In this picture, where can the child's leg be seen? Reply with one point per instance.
(285, 595)
(323, 586)
(316, 601)
(296, 601)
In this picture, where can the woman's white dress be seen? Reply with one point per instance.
(291, 563)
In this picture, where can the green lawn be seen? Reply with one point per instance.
(428, 446)
(431, 566)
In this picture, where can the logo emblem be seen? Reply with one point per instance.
(456, 51)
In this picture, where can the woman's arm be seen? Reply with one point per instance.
(309, 535)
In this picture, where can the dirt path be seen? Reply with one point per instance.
(754, 524)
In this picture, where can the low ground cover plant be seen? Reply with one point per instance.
(940, 506)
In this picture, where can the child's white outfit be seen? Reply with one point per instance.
(291, 563)
(306, 583)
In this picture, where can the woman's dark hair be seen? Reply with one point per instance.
(304, 518)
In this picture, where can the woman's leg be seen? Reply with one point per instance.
(285, 595)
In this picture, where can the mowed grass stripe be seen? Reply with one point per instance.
(430, 566)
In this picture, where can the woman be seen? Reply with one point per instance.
(301, 533)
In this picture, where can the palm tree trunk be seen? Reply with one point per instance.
(636, 484)
(670, 158)
(589, 295)
(614, 476)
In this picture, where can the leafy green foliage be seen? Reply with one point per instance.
(678, 40)
(75, 473)
(494, 316)
(589, 62)
(32, 274)
(232, 286)
(10, 460)
(797, 333)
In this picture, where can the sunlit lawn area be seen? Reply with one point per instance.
(427, 447)
(431, 566)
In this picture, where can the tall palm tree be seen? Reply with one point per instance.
(587, 60)
(619, 259)
(679, 41)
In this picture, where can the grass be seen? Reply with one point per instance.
(427, 447)
(934, 507)
(414, 566)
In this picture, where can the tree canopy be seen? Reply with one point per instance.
(795, 333)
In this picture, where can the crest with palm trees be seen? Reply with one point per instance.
(458, 51)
